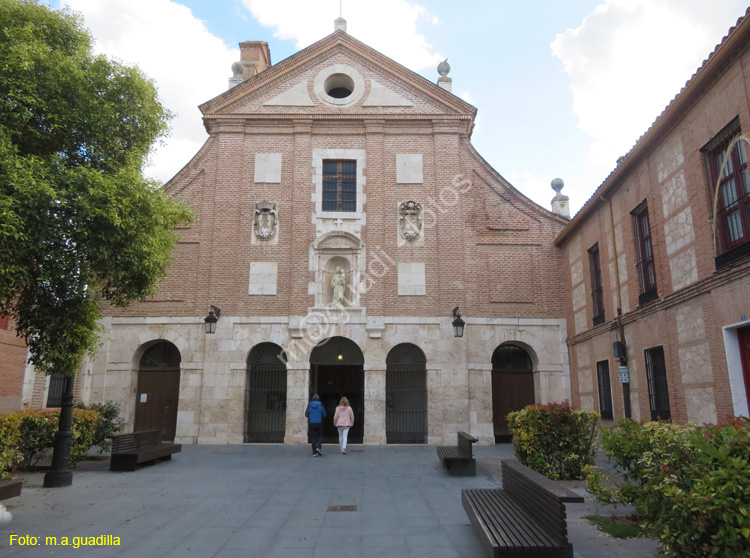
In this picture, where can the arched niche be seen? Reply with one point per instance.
(331, 251)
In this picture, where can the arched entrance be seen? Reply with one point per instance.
(512, 386)
(158, 390)
(406, 395)
(265, 394)
(337, 370)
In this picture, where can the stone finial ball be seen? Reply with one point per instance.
(237, 68)
(443, 68)
(557, 184)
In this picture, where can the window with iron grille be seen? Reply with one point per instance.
(339, 185)
(658, 393)
(645, 254)
(729, 171)
(56, 389)
(597, 292)
(605, 389)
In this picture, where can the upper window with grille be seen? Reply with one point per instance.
(339, 185)
(644, 250)
(729, 181)
(597, 290)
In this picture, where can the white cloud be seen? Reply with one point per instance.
(188, 64)
(466, 96)
(628, 60)
(388, 26)
(532, 186)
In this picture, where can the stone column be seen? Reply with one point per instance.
(374, 433)
(297, 395)
(435, 405)
(480, 403)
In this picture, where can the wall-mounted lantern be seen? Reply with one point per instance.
(212, 318)
(458, 324)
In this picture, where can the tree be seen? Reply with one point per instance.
(79, 223)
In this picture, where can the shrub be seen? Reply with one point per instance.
(38, 428)
(10, 434)
(692, 484)
(110, 423)
(554, 439)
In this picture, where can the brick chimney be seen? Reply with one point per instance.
(255, 56)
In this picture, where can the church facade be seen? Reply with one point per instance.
(344, 222)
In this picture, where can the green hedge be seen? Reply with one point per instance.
(27, 436)
(691, 484)
(554, 439)
(10, 434)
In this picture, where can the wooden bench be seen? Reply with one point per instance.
(130, 450)
(524, 518)
(10, 488)
(459, 460)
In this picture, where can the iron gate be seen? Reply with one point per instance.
(406, 396)
(265, 395)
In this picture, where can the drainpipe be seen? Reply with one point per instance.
(621, 328)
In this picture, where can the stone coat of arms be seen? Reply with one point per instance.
(410, 220)
(266, 219)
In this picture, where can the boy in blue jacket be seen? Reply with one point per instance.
(315, 413)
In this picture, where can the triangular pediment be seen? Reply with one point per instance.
(300, 85)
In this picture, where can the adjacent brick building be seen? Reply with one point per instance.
(659, 258)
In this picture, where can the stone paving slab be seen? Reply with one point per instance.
(273, 500)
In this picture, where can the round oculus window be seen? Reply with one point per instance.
(339, 86)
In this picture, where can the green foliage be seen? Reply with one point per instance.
(38, 429)
(110, 423)
(78, 221)
(10, 434)
(554, 439)
(85, 422)
(37, 434)
(691, 484)
(618, 527)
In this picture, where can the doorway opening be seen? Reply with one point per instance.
(336, 371)
(512, 387)
(265, 395)
(406, 395)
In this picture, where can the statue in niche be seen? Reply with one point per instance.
(410, 220)
(339, 282)
(266, 218)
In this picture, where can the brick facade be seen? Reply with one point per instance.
(483, 247)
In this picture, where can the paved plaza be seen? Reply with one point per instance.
(275, 500)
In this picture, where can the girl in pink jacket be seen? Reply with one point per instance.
(343, 419)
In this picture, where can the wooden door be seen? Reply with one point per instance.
(512, 386)
(744, 339)
(156, 401)
(512, 390)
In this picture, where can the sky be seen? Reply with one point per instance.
(562, 88)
